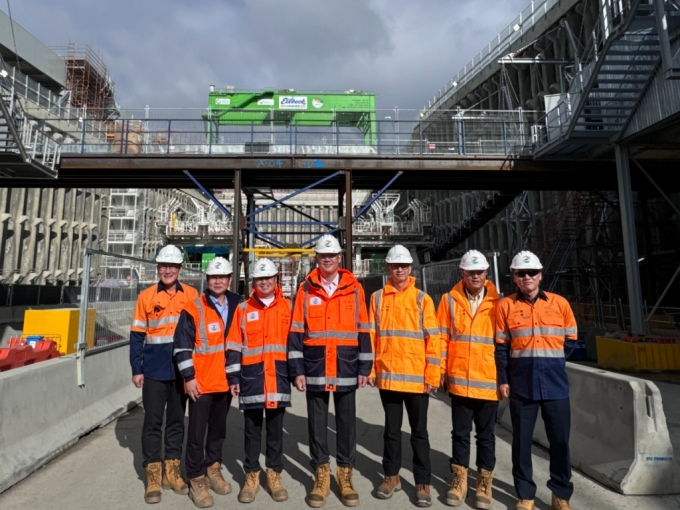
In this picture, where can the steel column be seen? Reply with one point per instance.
(629, 239)
(348, 220)
(235, 245)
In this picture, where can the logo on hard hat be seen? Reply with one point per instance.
(263, 267)
(474, 260)
(527, 259)
(327, 244)
(218, 265)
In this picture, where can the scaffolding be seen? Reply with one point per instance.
(89, 81)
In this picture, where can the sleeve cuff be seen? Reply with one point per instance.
(137, 371)
(189, 378)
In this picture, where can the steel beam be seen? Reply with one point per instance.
(207, 193)
(292, 208)
(629, 239)
(377, 196)
(236, 238)
(348, 220)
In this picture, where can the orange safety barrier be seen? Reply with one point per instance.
(20, 354)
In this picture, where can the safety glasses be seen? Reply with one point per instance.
(532, 273)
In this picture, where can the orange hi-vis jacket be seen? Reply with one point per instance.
(405, 336)
(208, 347)
(257, 352)
(533, 339)
(468, 343)
(153, 325)
(329, 341)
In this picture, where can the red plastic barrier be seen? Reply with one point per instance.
(44, 350)
(19, 354)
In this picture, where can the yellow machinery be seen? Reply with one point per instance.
(635, 357)
(60, 325)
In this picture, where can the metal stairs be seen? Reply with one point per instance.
(26, 149)
(620, 62)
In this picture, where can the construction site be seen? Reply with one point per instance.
(569, 120)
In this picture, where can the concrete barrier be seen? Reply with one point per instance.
(619, 435)
(43, 411)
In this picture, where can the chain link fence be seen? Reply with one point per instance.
(108, 298)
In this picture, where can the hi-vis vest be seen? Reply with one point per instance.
(405, 335)
(329, 341)
(257, 352)
(468, 343)
(208, 357)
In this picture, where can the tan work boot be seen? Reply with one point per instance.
(198, 492)
(483, 498)
(459, 486)
(348, 495)
(250, 487)
(388, 486)
(152, 494)
(274, 486)
(559, 504)
(423, 496)
(322, 486)
(172, 477)
(216, 481)
(525, 504)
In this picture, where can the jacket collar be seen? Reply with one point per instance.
(391, 289)
(490, 293)
(178, 287)
(257, 303)
(346, 284)
(523, 297)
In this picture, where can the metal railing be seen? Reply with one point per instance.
(497, 48)
(112, 290)
(187, 131)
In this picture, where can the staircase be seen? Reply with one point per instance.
(495, 203)
(26, 149)
(620, 62)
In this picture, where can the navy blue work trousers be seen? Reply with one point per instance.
(557, 417)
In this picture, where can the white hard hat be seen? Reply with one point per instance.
(398, 255)
(327, 244)
(264, 268)
(219, 266)
(525, 260)
(474, 260)
(169, 254)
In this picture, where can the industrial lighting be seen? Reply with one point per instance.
(516, 27)
(212, 88)
(641, 259)
(455, 83)
(3, 73)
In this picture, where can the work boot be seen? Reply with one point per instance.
(198, 492)
(216, 481)
(250, 487)
(348, 495)
(483, 498)
(388, 486)
(322, 486)
(274, 486)
(172, 477)
(153, 482)
(423, 497)
(559, 504)
(459, 486)
(525, 504)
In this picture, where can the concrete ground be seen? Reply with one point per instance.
(103, 471)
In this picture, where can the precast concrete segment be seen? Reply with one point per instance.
(619, 434)
(43, 411)
(104, 469)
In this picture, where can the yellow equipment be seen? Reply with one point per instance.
(60, 325)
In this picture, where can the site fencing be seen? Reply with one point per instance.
(112, 293)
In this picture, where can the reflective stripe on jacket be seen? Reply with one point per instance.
(256, 352)
(405, 336)
(468, 343)
(532, 342)
(329, 339)
(207, 347)
(153, 325)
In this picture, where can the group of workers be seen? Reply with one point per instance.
(475, 346)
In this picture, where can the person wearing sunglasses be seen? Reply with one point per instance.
(535, 333)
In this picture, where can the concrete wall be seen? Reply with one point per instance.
(43, 411)
(619, 435)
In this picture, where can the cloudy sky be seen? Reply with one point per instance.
(165, 53)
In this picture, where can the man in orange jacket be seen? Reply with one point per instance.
(329, 352)
(405, 336)
(153, 325)
(467, 317)
(200, 344)
(535, 333)
(258, 376)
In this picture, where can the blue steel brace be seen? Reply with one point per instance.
(219, 204)
(377, 196)
(265, 237)
(313, 239)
